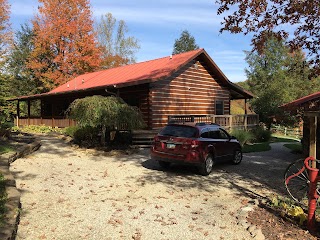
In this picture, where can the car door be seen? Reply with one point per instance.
(226, 145)
(218, 143)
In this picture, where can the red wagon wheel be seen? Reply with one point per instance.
(296, 180)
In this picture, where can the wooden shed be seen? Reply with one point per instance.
(309, 108)
(183, 87)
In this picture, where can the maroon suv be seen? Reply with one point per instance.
(201, 145)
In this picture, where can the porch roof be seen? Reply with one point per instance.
(301, 101)
(140, 73)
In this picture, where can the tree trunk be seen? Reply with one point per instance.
(103, 136)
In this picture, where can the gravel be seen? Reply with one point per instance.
(71, 193)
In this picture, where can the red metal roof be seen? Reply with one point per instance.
(134, 73)
(301, 101)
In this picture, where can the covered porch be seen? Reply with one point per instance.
(245, 121)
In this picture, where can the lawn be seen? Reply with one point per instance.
(295, 147)
(265, 146)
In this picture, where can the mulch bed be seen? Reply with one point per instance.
(276, 226)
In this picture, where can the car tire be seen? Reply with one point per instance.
(164, 165)
(237, 157)
(207, 166)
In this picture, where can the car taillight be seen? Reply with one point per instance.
(194, 144)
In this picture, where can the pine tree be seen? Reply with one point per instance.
(185, 43)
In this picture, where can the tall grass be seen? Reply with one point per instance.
(243, 136)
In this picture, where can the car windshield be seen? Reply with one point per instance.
(179, 131)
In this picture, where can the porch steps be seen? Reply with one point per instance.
(143, 138)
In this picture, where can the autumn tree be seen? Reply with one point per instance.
(23, 82)
(117, 48)
(5, 30)
(272, 17)
(65, 44)
(185, 43)
(5, 41)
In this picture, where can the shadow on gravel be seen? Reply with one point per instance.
(262, 171)
(55, 146)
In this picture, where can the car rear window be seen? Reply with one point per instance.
(179, 131)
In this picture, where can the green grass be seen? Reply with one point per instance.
(293, 144)
(5, 149)
(282, 138)
(256, 147)
(295, 147)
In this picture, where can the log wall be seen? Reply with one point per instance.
(191, 91)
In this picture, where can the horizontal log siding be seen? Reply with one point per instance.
(191, 91)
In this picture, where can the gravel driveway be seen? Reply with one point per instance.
(69, 193)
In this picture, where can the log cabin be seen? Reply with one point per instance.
(182, 87)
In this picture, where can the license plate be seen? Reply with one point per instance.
(171, 146)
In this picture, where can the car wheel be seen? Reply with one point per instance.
(206, 168)
(164, 164)
(237, 157)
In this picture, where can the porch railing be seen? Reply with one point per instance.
(50, 122)
(227, 121)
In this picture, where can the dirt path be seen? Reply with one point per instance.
(69, 193)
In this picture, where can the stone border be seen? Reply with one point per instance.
(242, 214)
(9, 229)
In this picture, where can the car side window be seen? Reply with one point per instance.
(214, 134)
(205, 133)
(223, 134)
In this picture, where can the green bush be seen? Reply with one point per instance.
(70, 131)
(261, 135)
(88, 136)
(243, 136)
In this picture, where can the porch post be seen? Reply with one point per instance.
(313, 139)
(18, 112)
(246, 121)
(245, 106)
(28, 112)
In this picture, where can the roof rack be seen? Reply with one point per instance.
(203, 124)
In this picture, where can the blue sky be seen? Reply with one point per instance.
(156, 24)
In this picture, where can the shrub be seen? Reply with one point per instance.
(70, 131)
(88, 136)
(5, 129)
(243, 136)
(261, 135)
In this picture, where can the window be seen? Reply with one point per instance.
(219, 107)
(214, 134)
(179, 131)
(205, 134)
(223, 134)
